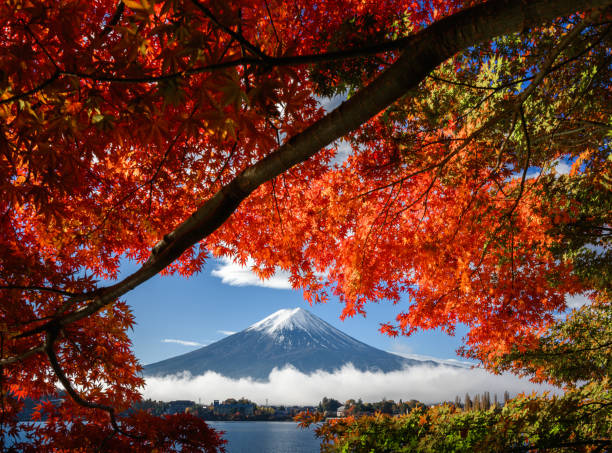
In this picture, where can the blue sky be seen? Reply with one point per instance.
(175, 315)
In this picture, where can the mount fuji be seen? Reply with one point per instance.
(289, 337)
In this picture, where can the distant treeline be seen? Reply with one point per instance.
(330, 407)
(480, 401)
(244, 409)
(229, 409)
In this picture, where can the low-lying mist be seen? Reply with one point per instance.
(288, 386)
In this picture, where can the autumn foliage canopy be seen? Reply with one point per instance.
(467, 177)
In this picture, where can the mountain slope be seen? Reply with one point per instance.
(293, 337)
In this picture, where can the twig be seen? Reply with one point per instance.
(34, 90)
(280, 219)
(237, 36)
(114, 20)
(42, 289)
(272, 22)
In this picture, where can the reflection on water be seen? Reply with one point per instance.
(267, 437)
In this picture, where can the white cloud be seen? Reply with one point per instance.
(534, 173)
(332, 103)
(563, 168)
(226, 332)
(234, 274)
(182, 342)
(560, 168)
(289, 386)
(577, 301)
(344, 151)
(454, 362)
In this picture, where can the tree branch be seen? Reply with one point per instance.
(243, 61)
(49, 347)
(32, 91)
(237, 36)
(278, 41)
(423, 52)
(22, 356)
(115, 19)
(296, 60)
(41, 289)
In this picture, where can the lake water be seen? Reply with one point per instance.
(267, 437)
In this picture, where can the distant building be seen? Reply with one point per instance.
(246, 409)
(340, 412)
(280, 412)
(179, 406)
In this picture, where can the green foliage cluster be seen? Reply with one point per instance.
(576, 352)
(587, 237)
(385, 406)
(525, 423)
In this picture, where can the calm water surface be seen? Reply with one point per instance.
(267, 437)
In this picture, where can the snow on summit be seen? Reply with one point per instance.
(291, 319)
(292, 327)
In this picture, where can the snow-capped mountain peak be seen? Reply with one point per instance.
(290, 337)
(288, 319)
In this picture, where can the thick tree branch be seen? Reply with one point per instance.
(424, 51)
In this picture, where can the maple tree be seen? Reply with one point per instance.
(170, 131)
